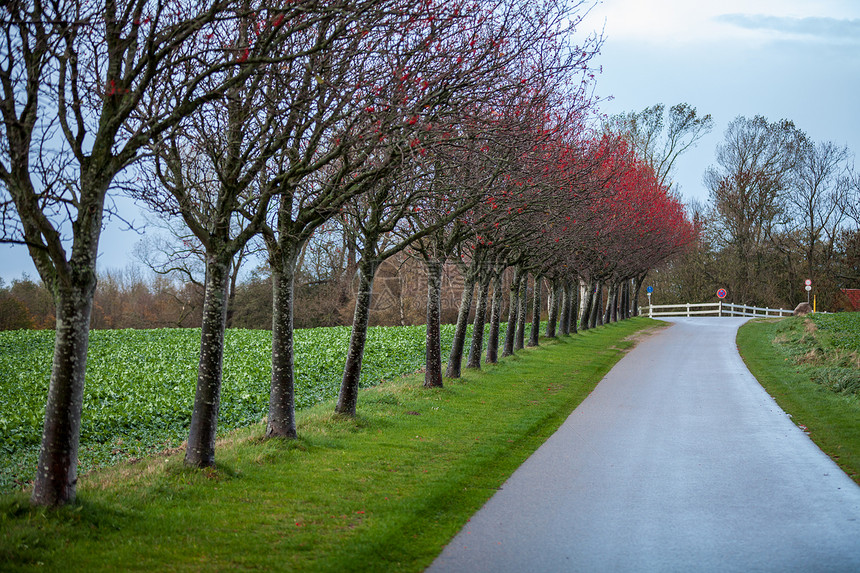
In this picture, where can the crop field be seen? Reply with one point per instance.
(140, 385)
(842, 329)
(826, 347)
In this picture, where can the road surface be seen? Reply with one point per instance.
(678, 461)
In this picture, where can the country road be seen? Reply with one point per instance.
(678, 461)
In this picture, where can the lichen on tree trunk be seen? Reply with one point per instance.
(200, 451)
(610, 299)
(56, 474)
(554, 300)
(477, 345)
(455, 358)
(565, 318)
(513, 311)
(433, 352)
(495, 320)
(573, 288)
(519, 340)
(536, 304)
(588, 300)
(347, 399)
(596, 303)
(281, 420)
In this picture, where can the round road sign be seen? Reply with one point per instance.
(722, 293)
(808, 282)
(649, 289)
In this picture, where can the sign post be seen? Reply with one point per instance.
(808, 288)
(648, 291)
(721, 294)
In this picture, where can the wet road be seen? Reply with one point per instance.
(678, 461)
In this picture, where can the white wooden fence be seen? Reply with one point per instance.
(712, 308)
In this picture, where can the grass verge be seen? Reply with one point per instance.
(832, 419)
(382, 492)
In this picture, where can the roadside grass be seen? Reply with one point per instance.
(382, 492)
(809, 374)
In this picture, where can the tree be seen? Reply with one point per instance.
(358, 109)
(814, 198)
(215, 169)
(77, 78)
(657, 144)
(465, 178)
(375, 216)
(747, 192)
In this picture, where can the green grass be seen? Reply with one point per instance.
(806, 365)
(382, 492)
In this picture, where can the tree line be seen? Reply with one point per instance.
(460, 133)
(782, 209)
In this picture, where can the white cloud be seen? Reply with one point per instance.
(830, 30)
(680, 22)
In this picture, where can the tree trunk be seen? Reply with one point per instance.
(200, 451)
(282, 396)
(536, 307)
(616, 301)
(610, 300)
(519, 341)
(495, 320)
(455, 358)
(552, 319)
(57, 472)
(587, 301)
(564, 320)
(512, 313)
(477, 345)
(596, 304)
(571, 295)
(433, 356)
(624, 304)
(348, 396)
(640, 280)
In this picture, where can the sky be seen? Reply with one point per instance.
(782, 59)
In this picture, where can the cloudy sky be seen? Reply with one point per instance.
(782, 59)
(792, 59)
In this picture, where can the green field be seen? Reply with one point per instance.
(139, 386)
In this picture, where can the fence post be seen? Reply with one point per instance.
(688, 310)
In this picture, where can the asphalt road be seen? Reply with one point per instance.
(678, 461)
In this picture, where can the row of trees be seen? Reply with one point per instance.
(782, 208)
(456, 131)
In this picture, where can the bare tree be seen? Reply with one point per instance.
(819, 188)
(77, 78)
(658, 144)
(748, 193)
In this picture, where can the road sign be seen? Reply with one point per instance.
(649, 289)
(722, 293)
(808, 288)
(808, 283)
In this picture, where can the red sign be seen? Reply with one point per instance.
(722, 293)
(808, 282)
